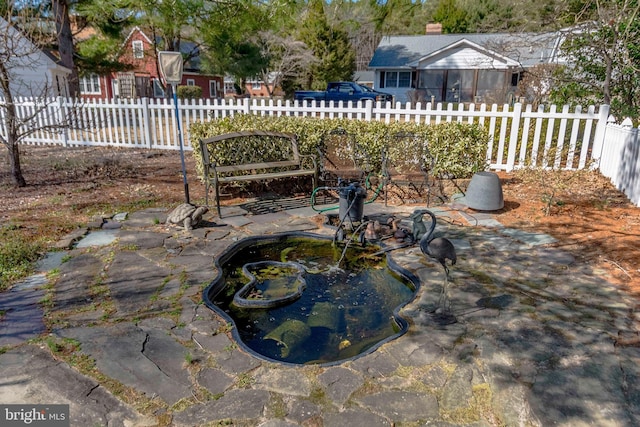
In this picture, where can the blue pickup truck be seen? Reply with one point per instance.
(343, 91)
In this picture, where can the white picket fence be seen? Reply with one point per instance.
(620, 158)
(520, 136)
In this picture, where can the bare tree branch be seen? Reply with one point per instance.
(288, 58)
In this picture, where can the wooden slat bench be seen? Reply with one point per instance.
(253, 156)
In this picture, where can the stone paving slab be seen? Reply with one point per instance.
(51, 261)
(70, 239)
(146, 218)
(214, 380)
(35, 281)
(141, 239)
(292, 382)
(533, 239)
(132, 280)
(22, 316)
(76, 277)
(241, 404)
(230, 214)
(149, 361)
(97, 238)
(402, 406)
(199, 268)
(457, 392)
(356, 418)
(340, 384)
(38, 378)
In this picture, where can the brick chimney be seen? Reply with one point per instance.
(434, 29)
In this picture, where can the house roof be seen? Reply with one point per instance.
(186, 48)
(363, 76)
(134, 30)
(25, 46)
(524, 49)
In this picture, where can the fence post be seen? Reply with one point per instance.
(513, 136)
(62, 118)
(146, 122)
(246, 104)
(601, 130)
(368, 112)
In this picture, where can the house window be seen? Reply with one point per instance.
(460, 85)
(90, 84)
(213, 93)
(515, 79)
(158, 90)
(432, 82)
(191, 82)
(58, 91)
(115, 87)
(396, 79)
(62, 86)
(490, 85)
(229, 87)
(404, 79)
(138, 49)
(256, 85)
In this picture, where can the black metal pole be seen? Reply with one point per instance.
(184, 168)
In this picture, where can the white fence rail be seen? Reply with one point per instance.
(520, 136)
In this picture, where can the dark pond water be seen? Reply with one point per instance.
(341, 312)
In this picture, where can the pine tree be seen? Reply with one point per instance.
(337, 60)
(454, 19)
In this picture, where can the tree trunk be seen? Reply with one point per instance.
(606, 86)
(65, 44)
(17, 178)
(16, 170)
(609, 55)
(12, 145)
(11, 123)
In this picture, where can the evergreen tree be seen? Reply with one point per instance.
(454, 19)
(231, 42)
(329, 44)
(400, 17)
(495, 16)
(110, 22)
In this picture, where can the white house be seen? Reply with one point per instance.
(459, 67)
(32, 72)
(364, 78)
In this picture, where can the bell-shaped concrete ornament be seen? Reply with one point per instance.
(484, 192)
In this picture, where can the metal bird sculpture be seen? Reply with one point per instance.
(439, 248)
(442, 250)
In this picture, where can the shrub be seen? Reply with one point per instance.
(458, 149)
(189, 92)
(452, 149)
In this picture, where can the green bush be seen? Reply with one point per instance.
(452, 149)
(458, 149)
(189, 92)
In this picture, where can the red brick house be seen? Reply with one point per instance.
(144, 80)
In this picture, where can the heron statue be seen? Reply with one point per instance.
(441, 249)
